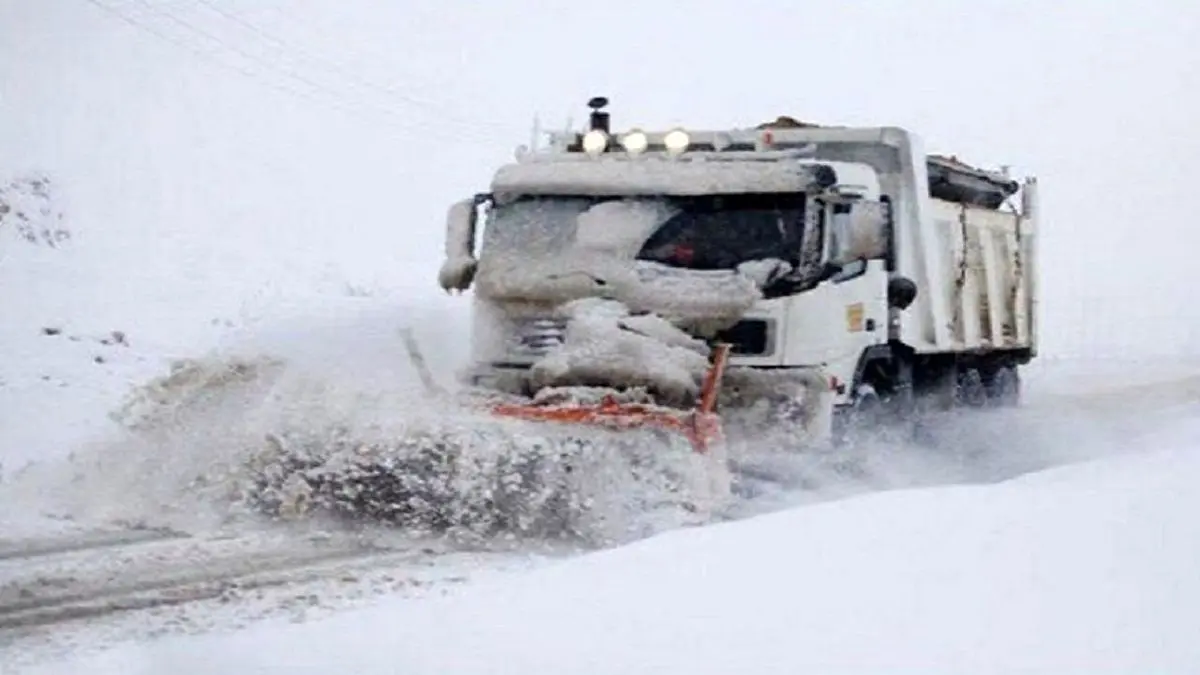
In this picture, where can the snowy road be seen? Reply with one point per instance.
(109, 586)
(115, 585)
(55, 580)
(1076, 568)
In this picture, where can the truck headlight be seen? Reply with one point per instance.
(595, 142)
(635, 142)
(676, 141)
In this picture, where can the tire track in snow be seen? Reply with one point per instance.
(84, 582)
(28, 549)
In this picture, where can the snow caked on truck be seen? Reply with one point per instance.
(713, 286)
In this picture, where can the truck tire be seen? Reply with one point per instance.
(939, 390)
(868, 407)
(972, 390)
(1003, 386)
(860, 419)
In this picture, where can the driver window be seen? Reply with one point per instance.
(839, 223)
(858, 232)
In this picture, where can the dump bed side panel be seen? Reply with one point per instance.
(985, 258)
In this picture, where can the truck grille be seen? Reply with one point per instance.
(535, 337)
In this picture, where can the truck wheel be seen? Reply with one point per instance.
(972, 392)
(868, 407)
(861, 418)
(940, 393)
(1003, 387)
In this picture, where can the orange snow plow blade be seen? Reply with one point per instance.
(700, 425)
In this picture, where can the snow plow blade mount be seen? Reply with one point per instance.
(701, 425)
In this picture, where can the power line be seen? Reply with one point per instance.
(240, 51)
(363, 49)
(329, 64)
(196, 52)
(334, 101)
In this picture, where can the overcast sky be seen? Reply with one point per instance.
(358, 121)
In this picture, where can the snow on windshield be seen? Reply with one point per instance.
(620, 226)
(559, 248)
(532, 226)
(551, 225)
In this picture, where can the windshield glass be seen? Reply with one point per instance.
(534, 225)
(724, 231)
(705, 232)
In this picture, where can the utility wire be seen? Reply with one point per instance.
(244, 53)
(204, 55)
(193, 50)
(334, 66)
(364, 50)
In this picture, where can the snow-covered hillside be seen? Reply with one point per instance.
(85, 323)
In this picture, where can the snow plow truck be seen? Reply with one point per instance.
(706, 288)
(839, 275)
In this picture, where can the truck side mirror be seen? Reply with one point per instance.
(859, 231)
(458, 268)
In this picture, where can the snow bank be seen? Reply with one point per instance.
(1081, 569)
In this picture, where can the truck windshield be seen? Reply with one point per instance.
(533, 225)
(706, 232)
(724, 231)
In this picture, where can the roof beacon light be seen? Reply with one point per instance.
(635, 142)
(676, 141)
(598, 118)
(595, 142)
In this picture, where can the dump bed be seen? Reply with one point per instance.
(978, 278)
